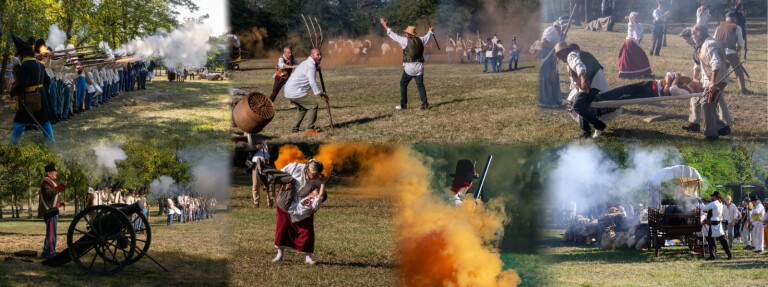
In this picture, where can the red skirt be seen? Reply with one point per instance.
(299, 235)
(632, 61)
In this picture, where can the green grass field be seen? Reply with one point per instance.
(195, 253)
(467, 105)
(354, 242)
(194, 112)
(580, 265)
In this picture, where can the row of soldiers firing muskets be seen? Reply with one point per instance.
(51, 86)
(190, 208)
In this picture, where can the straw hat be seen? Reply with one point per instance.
(411, 30)
(560, 46)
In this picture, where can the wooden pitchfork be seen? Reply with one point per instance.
(317, 42)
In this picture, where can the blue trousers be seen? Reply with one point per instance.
(170, 219)
(513, 57)
(49, 246)
(60, 94)
(426, 58)
(18, 131)
(53, 99)
(89, 98)
(493, 63)
(67, 100)
(480, 57)
(81, 91)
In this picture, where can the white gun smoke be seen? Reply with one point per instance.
(162, 187)
(107, 157)
(588, 176)
(56, 38)
(185, 47)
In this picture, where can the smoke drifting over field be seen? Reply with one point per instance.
(185, 47)
(588, 176)
(438, 244)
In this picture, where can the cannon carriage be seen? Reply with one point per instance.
(102, 239)
(673, 212)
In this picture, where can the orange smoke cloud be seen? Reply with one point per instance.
(438, 244)
(289, 154)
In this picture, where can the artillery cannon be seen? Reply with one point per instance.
(102, 239)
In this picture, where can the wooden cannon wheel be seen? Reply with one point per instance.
(140, 225)
(101, 240)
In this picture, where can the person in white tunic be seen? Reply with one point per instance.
(297, 89)
(714, 230)
(731, 215)
(756, 220)
(703, 15)
(413, 62)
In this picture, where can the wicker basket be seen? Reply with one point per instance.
(251, 121)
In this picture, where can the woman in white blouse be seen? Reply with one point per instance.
(633, 62)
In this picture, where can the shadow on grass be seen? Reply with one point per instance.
(358, 264)
(184, 269)
(740, 265)
(360, 121)
(453, 102)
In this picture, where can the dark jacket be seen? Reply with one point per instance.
(32, 73)
(48, 193)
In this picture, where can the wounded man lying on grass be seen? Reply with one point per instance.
(673, 84)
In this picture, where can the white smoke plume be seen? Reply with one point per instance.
(210, 172)
(162, 187)
(589, 177)
(186, 46)
(107, 157)
(104, 46)
(56, 38)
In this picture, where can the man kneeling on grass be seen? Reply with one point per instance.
(298, 86)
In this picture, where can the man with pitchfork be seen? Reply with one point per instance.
(296, 89)
(413, 62)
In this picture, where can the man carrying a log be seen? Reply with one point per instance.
(297, 87)
(413, 62)
(285, 65)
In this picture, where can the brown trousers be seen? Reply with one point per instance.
(276, 88)
(732, 60)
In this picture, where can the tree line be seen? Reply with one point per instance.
(22, 171)
(279, 22)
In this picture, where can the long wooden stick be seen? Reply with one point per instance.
(309, 32)
(327, 104)
(314, 32)
(321, 33)
(433, 34)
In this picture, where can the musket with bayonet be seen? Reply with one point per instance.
(479, 192)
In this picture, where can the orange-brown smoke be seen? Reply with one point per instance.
(438, 244)
(253, 42)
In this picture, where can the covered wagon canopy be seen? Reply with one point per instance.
(687, 177)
